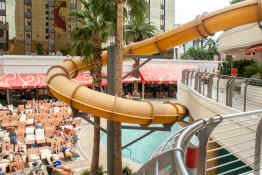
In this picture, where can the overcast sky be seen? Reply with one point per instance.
(187, 10)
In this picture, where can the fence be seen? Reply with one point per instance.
(244, 94)
(228, 144)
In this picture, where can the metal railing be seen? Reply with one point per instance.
(228, 144)
(244, 94)
(168, 144)
(163, 163)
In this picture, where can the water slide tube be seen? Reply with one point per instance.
(118, 109)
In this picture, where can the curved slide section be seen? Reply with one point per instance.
(145, 112)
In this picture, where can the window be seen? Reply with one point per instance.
(162, 14)
(1, 33)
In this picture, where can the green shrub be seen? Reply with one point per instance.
(246, 68)
(127, 171)
(253, 69)
(197, 54)
(235, 1)
(65, 51)
(39, 49)
(240, 66)
(100, 171)
(86, 172)
(225, 68)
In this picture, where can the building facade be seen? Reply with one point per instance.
(162, 14)
(46, 24)
(3, 28)
(43, 23)
(238, 40)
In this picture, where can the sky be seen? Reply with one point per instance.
(187, 10)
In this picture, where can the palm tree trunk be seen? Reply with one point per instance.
(97, 79)
(96, 146)
(137, 62)
(118, 81)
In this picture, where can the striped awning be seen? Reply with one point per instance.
(163, 73)
(32, 81)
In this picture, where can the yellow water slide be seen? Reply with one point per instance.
(118, 109)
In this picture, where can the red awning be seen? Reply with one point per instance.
(253, 50)
(22, 81)
(163, 73)
(85, 78)
(31, 81)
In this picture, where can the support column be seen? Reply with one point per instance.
(28, 26)
(110, 124)
(51, 27)
(143, 91)
(8, 96)
(75, 112)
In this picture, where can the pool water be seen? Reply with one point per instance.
(141, 151)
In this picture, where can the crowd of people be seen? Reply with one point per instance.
(37, 137)
(151, 91)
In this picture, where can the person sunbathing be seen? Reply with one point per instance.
(64, 171)
(69, 152)
(6, 152)
(56, 166)
(1, 171)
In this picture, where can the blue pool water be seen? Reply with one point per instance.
(141, 151)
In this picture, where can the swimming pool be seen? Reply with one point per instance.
(141, 151)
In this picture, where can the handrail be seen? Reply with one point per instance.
(181, 144)
(205, 128)
(235, 92)
(164, 145)
(228, 116)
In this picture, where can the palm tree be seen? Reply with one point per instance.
(95, 29)
(137, 12)
(97, 21)
(118, 86)
(235, 1)
(137, 31)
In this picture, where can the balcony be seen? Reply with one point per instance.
(3, 40)
(162, 27)
(28, 42)
(28, 2)
(51, 3)
(51, 42)
(28, 28)
(28, 15)
(3, 48)
(73, 5)
(2, 12)
(3, 27)
(51, 17)
(51, 30)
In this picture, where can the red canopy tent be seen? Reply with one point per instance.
(32, 81)
(163, 73)
(254, 49)
(22, 81)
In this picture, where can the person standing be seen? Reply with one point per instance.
(13, 138)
